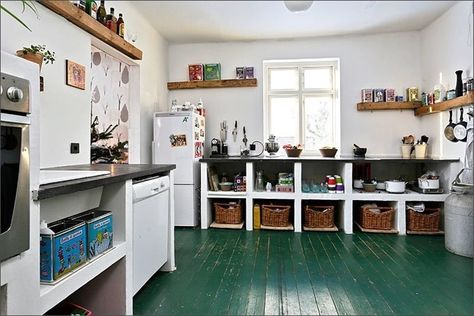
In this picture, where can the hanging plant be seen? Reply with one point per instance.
(26, 4)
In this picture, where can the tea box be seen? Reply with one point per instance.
(99, 228)
(212, 71)
(196, 72)
(63, 251)
(366, 95)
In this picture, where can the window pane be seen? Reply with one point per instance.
(284, 79)
(318, 122)
(318, 78)
(284, 119)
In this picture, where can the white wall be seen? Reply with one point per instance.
(65, 111)
(374, 61)
(446, 46)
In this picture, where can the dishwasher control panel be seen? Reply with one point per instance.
(149, 187)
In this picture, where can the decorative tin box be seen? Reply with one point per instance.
(212, 71)
(196, 72)
(239, 73)
(412, 94)
(63, 251)
(390, 95)
(249, 74)
(99, 231)
(366, 95)
(379, 95)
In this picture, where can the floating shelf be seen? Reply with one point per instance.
(376, 106)
(467, 99)
(226, 83)
(92, 26)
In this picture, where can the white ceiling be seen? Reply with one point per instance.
(216, 21)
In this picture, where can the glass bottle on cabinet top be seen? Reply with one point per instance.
(101, 13)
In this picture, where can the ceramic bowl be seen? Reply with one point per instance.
(369, 187)
(328, 152)
(293, 152)
(226, 186)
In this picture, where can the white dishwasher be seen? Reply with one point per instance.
(150, 228)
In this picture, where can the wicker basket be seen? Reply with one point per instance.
(275, 215)
(227, 213)
(428, 221)
(372, 220)
(319, 216)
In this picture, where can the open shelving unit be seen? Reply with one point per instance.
(464, 100)
(317, 168)
(226, 83)
(377, 106)
(80, 18)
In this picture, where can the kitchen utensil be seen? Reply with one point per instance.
(424, 139)
(359, 151)
(245, 140)
(369, 187)
(234, 132)
(428, 183)
(460, 130)
(449, 129)
(395, 186)
(272, 147)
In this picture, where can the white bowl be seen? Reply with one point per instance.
(428, 183)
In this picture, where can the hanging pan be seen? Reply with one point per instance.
(460, 130)
(449, 129)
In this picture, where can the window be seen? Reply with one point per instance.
(301, 102)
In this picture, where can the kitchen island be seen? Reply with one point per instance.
(104, 284)
(307, 169)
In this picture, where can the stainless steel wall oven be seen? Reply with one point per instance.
(15, 183)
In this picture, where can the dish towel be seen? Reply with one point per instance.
(417, 207)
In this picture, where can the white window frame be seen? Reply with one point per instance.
(301, 65)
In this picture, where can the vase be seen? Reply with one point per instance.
(458, 83)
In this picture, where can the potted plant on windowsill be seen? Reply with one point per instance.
(37, 54)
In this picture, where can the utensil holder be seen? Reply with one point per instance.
(420, 151)
(406, 150)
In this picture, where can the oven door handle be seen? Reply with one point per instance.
(15, 119)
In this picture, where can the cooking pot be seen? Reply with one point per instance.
(428, 183)
(395, 186)
(358, 183)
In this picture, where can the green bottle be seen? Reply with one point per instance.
(91, 8)
(101, 13)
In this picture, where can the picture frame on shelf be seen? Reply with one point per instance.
(249, 73)
(366, 95)
(239, 72)
(196, 72)
(75, 75)
(378, 95)
(212, 72)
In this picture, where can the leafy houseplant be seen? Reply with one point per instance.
(26, 3)
(37, 54)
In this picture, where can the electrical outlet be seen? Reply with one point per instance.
(74, 148)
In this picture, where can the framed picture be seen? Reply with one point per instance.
(239, 73)
(249, 73)
(196, 72)
(378, 95)
(75, 75)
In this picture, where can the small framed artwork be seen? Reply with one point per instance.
(196, 72)
(239, 73)
(412, 94)
(75, 75)
(390, 95)
(249, 73)
(378, 95)
(366, 95)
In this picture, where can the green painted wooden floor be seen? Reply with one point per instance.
(226, 272)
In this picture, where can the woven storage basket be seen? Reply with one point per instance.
(319, 216)
(382, 220)
(275, 215)
(226, 213)
(427, 221)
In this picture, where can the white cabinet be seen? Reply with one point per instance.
(307, 169)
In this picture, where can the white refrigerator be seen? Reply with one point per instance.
(178, 138)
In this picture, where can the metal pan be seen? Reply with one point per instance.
(460, 130)
(449, 129)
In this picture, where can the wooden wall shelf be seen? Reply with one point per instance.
(90, 25)
(467, 99)
(376, 106)
(226, 83)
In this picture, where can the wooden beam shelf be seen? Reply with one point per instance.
(80, 18)
(226, 83)
(467, 99)
(376, 106)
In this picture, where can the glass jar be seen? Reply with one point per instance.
(259, 185)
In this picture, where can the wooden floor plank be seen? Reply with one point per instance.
(304, 283)
(324, 299)
(237, 272)
(256, 297)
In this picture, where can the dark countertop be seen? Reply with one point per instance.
(118, 173)
(337, 158)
